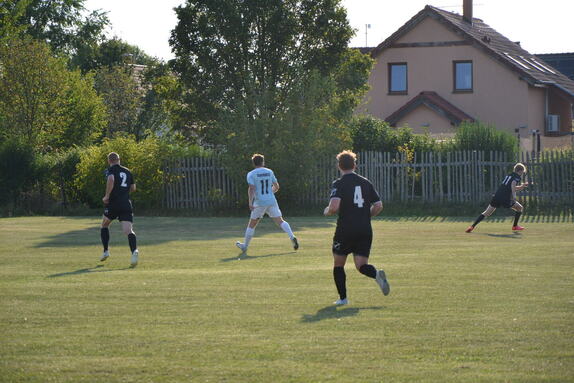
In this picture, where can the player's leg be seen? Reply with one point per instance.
(340, 278)
(487, 213)
(105, 237)
(276, 216)
(363, 266)
(256, 215)
(361, 259)
(518, 208)
(128, 229)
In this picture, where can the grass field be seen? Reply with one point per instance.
(491, 306)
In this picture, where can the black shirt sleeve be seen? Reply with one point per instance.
(335, 190)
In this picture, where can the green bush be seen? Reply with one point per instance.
(144, 159)
(18, 169)
(61, 168)
(479, 136)
(369, 133)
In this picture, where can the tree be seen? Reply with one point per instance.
(122, 98)
(312, 124)
(42, 101)
(165, 111)
(60, 23)
(110, 53)
(270, 76)
(228, 50)
(10, 12)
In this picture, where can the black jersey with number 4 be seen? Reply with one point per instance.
(356, 194)
(123, 179)
(504, 191)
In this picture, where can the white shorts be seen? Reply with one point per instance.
(272, 211)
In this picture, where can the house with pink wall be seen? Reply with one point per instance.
(442, 68)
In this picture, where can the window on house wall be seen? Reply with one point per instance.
(462, 76)
(398, 78)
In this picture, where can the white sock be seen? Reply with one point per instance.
(287, 229)
(248, 235)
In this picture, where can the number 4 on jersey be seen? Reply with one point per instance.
(358, 197)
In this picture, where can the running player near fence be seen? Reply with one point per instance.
(355, 199)
(505, 197)
(117, 204)
(261, 193)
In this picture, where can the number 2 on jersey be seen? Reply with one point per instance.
(358, 197)
(124, 178)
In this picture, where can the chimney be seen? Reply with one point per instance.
(467, 11)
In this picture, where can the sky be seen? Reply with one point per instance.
(540, 26)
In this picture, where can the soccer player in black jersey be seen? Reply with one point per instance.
(505, 196)
(117, 204)
(356, 201)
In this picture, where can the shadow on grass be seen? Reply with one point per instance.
(511, 236)
(159, 230)
(335, 312)
(245, 256)
(95, 269)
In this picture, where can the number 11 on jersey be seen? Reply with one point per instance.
(358, 197)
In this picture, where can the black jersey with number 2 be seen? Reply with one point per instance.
(504, 191)
(356, 194)
(123, 179)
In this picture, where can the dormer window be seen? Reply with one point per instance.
(462, 76)
(398, 83)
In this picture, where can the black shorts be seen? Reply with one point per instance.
(356, 243)
(494, 202)
(122, 212)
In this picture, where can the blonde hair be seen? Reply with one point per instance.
(347, 160)
(519, 167)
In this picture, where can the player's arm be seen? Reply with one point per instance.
(333, 207)
(275, 187)
(251, 195)
(132, 188)
(522, 186)
(109, 188)
(376, 208)
(514, 188)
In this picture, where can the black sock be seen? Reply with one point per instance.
(340, 281)
(132, 241)
(480, 218)
(517, 217)
(105, 235)
(369, 271)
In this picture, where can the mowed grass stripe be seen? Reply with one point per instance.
(491, 306)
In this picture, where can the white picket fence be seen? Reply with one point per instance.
(460, 177)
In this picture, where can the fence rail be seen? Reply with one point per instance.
(460, 177)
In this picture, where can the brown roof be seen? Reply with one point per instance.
(433, 101)
(483, 37)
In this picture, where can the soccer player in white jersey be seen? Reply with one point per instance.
(262, 188)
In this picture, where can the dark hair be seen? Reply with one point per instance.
(113, 157)
(347, 160)
(257, 159)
